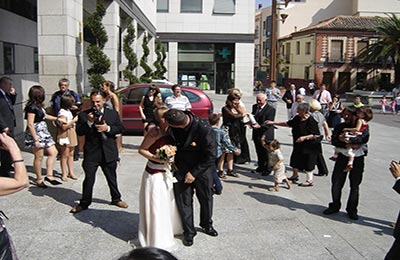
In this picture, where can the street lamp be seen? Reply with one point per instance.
(274, 37)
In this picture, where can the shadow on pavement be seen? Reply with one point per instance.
(118, 223)
(61, 195)
(382, 226)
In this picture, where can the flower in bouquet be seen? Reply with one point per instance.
(167, 153)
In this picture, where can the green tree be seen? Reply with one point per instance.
(157, 64)
(130, 55)
(99, 61)
(386, 50)
(146, 76)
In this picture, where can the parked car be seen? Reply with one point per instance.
(132, 95)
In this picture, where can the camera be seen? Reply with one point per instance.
(99, 120)
(98, 117)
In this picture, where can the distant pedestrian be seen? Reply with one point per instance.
(323, 96)
(335, 112)
(273, 94)
(397, 99)
(357, 102)
(290, 98)
(311, 87)
(383, 103)
(393, 106)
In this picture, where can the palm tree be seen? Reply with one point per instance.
(386, 50)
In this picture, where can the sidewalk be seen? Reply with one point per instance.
(252, 222)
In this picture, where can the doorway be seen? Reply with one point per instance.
(224, 78)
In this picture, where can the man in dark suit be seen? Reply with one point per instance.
(394, 252)
(8, 97)
(99, 126)
(289, 98)
(195, 160)
(262, 112)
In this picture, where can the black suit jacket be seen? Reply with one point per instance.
(266, 113)
(7, 116)
(396, 232)
(288, 96)
(95, 148)
(196, 148)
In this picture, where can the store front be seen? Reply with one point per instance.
(207, 66)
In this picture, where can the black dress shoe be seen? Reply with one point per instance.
(320, 174)
(210, 231)
(330, 211)
(53, 182)
(188, 241)
(352, 215)
(77, 209)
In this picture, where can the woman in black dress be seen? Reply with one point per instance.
(232, 115)
(306, 143)
(149, 102)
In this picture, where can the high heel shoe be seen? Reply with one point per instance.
(52, 182)
(41, 185)
(73, 177)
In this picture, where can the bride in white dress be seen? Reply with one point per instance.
(159, 218)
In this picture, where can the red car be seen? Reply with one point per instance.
(132, 95)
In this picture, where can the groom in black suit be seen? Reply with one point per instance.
(195, 160)
(8, 97)
(99, 125)
(262, 112)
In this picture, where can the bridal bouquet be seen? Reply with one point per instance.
(167, 153)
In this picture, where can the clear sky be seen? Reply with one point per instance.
(265, 3)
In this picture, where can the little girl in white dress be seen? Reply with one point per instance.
(276, 161)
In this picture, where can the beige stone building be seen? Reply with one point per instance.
(327, 52)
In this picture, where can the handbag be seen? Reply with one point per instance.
(7, 249)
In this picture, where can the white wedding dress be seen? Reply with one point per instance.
(159, 219)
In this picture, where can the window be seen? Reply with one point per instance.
(306, 73)
(298, 48)
(268, 25)
(224, 6)
(191, 6)
(264, 28)
(9, 55)
(35, 60)
(361, 45)
(336, 50)
(287, 53)
(162, 6)
(308, 48)
(256, 32)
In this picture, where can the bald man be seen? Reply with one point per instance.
(262, 112)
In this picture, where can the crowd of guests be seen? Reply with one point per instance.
(203, 149)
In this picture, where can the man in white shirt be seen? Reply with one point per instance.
(177, 100)
(324, 98)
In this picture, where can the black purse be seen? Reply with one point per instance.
(7, 249)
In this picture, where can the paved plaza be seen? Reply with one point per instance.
(253, 223)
